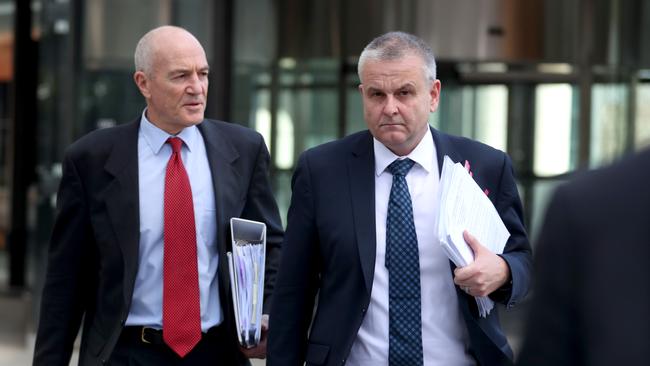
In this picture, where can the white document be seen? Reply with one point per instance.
(246, 267)
(464, 206)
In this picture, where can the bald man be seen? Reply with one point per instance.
(138, 250)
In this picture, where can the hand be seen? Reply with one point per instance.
(487, 273)
(259, 351)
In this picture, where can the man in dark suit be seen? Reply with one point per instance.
(591, 294)
(342, 230)
(143, 217)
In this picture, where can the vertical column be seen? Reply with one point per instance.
(21, 144)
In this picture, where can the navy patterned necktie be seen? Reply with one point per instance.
(403, 264)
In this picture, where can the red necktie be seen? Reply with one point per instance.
(181, 301)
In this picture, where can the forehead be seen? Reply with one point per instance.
(408, 69)
(181, 53)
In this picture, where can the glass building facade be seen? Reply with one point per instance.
(560, 85)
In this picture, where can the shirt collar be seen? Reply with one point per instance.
(156, 138)
(422, 155)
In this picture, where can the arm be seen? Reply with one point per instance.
(297, 280)
(550, 336)
(67, 283)
(517, 253)
(261, 206)
(505, 278)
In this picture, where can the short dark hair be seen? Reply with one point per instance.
(396, 45)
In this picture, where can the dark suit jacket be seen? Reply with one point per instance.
(591, 298)
(93, 257)
(329, 248)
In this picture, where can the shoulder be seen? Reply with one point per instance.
(331, 156)
(327, 164)
(625, 179)
(102, 141)
(230, 128)
(467, 146)
(233, 132)
(355, 143)
(481, 157)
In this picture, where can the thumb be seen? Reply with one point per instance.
(473, 243)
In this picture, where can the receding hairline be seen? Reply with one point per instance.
(148, 45)
(393, 46)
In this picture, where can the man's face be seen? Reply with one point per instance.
(397, 100)
(177, 86)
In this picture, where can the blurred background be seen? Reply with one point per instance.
(560, 85)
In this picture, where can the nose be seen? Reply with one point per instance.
(390, 108)
(194, 86)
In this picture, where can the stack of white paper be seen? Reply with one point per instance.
(246, 265)
(464, 206)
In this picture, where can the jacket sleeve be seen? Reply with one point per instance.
(551, 336)
(297, 280)
(517, 252)
(261, 206)
(68, 281)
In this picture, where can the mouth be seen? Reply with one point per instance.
(390, 124)
(193, 104)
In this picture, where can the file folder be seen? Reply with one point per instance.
(246, 267)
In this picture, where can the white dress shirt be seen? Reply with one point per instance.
(153, 155)
(444, 334)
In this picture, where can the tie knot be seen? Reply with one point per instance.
(176, 143)
(401, 167)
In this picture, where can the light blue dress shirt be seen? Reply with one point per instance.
(153, 155)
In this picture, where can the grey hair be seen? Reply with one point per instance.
(146, 47)
(396, 45)
(142, 56)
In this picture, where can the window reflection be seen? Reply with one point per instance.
(492, 115)
(476, 111)
(608, 122)
(642, 122)
(284, 152)
(262, 118)
(553, 125)
(354, 112)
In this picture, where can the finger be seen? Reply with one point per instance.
(472, 242)
(462, 275)
(265, 322)
(258, 351)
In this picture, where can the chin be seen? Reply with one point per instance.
(392, 138)
(194, 120)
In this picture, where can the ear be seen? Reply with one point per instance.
(361, 89)
(434, 92)
(142, 82)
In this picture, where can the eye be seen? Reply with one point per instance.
(404, 92)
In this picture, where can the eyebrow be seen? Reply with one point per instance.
(408, 85)
(184, 70)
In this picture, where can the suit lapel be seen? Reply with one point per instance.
(226, 180)
(362, 188)
(443, 147)
(122, 200)
(468, 306)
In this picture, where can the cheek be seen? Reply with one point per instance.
(374, 110)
